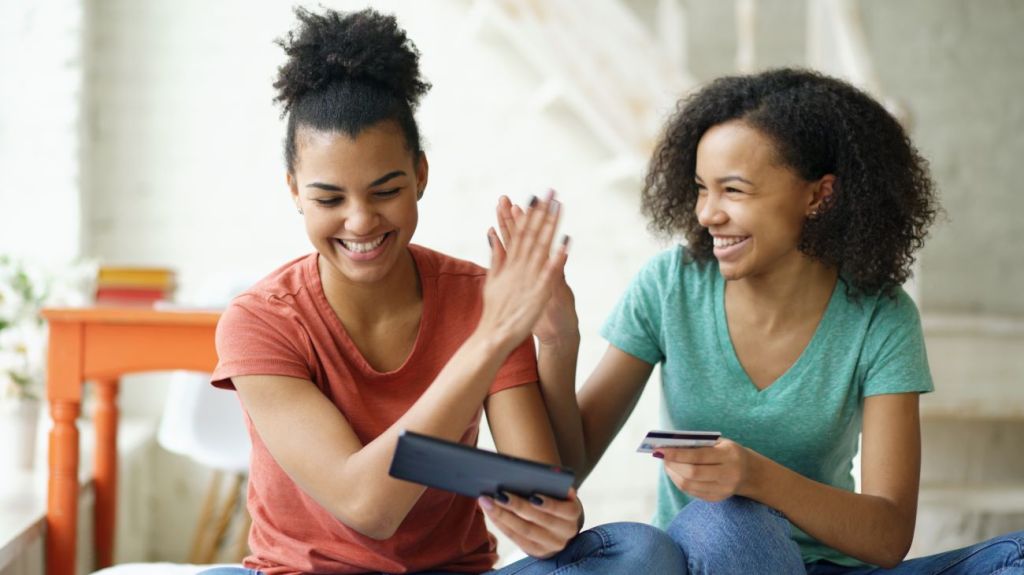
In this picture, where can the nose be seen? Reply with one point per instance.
(361, 219)
(709, 212)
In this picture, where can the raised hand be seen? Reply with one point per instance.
(541, 527)
(558, 322)
(521, 279)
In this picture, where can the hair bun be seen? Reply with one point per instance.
(364, 47)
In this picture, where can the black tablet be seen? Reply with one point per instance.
(474, 472)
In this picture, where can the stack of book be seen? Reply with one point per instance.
(133, 286)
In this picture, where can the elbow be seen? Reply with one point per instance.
(892, 553)
(367, 520)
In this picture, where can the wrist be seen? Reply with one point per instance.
(568, 342)
(492, 342)
(754, 480)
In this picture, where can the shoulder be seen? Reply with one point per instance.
(674, 269)
(281, 293)
(433, 263)
(884, 312)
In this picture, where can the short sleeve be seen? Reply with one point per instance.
(898, 361)
(255, 339)
(634, 326)
(519, 369)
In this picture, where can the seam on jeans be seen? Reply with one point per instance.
(1012, 540)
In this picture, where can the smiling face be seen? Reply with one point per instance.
(752, 204)
(358, 198)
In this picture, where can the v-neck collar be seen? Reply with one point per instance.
(733, 361)
(425, 273)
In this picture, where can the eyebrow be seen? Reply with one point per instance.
(381, 180)
(727, 179)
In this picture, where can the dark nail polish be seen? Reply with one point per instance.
(565, 241)
(533, 201)
(490, 240)
(501, 497)
(659, 455)
(536, 500)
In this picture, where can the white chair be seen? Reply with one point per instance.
(206, 425)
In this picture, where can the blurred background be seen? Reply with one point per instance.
(143, 133)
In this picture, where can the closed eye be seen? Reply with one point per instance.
(387, 193)
(328, 202)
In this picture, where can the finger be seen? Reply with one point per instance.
(700, 455)
(547, 233)
(494, 513)
(555, 269)
(563, 524)
(697, 472)
(687, 485)
(506, 222)
(535, 216)
(497, 251)
(567, 510)
(515, 526)
(517, 215)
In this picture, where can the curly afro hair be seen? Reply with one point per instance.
(883, 200)
(346, 72)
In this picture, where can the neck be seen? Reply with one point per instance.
(362, 303)
(789, 294)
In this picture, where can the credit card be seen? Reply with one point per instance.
(660, 439)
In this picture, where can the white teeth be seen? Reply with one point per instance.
(726, 242)
(362, 247)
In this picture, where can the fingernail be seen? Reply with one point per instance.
(565, 241)
(501, 497)
(533, 201)
(536, 500)
(486, 503)
(555, 206)
(659, 455)
(490, 240)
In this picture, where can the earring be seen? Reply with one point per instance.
(300, 211)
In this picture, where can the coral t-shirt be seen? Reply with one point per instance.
(284, 326)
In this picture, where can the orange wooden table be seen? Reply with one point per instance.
(101, 345)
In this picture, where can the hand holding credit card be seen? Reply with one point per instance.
(664, 439)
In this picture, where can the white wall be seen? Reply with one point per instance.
(40, 87)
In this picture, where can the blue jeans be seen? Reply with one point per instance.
(742, 536)
(612, 548)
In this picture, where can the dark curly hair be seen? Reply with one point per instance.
(883, 200)
(346, 72)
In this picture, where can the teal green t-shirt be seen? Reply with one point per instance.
(809, 419)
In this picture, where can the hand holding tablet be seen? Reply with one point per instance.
(664, 439)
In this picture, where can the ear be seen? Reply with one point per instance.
(293, 189)
(422, 173)
(821, 194)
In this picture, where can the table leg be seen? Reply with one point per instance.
(105, 470)
(62, 503)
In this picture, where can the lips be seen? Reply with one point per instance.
(728, 247)
(365, 250)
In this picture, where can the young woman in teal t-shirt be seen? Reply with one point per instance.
(781, 324)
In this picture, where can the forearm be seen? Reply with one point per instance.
(556, 366)
(866, 527)
(444, 410)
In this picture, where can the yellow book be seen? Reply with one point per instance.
(127, 276)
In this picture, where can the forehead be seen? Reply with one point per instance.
(379, 147)
(735, 146)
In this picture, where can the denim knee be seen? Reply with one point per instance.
(642, 546)
(736, 535)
